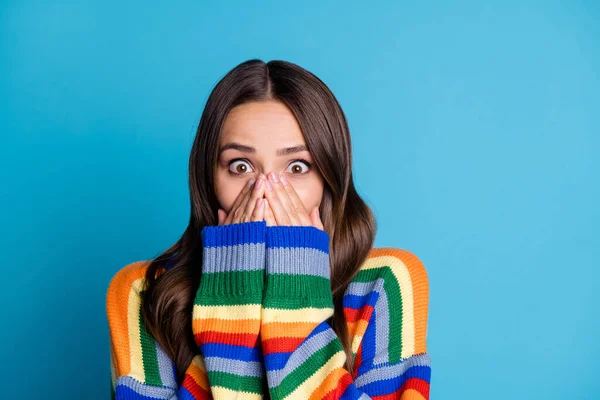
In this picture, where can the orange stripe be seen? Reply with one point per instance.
(226, 325)
(117, 303)
(412, 394)
(199, 375)
(357, 328)
(286, 329)
(420, 287)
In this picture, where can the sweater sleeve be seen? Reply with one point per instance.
(139, 367)
(226, 314)
(303, 356)
(231, 285)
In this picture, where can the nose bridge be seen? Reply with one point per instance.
(267, 166)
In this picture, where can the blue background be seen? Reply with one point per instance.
(475, 133)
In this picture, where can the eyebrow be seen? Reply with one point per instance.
(286, 151)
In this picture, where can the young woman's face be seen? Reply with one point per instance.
(259, 133)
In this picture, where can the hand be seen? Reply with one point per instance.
(248, 206)
(284, 207)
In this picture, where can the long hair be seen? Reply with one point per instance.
(169, 293)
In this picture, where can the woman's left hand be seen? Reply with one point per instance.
(284, 207)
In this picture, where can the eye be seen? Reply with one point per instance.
(297, 167)
(239, 166)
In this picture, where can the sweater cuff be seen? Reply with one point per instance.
(297, 265)
(233, 258)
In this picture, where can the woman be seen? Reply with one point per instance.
(274, 289)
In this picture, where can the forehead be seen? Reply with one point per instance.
(269, 123)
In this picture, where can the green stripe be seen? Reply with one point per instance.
(297, 291)
(296, 303)
(392, 290)
(251, 384)
(227, 300)
(149, 357)
(308, 368)
(248, 284)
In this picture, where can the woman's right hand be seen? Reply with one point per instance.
(248, 206)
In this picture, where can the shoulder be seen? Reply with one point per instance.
(138, 362)
(128, 278)
(400, 279)
(399, 264)
(123, 298)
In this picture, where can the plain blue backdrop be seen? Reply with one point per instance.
(475, 129)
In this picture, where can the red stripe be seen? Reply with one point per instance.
(195, 390)
(281, 345)
(339, 390)
(234, 339)
(363, 313)
(357, 360)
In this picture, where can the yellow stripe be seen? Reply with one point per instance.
(356, 343)
(222, 393)
(309, 314)
(136, 369)
(311, 384)
(248, 311)
(402, 275)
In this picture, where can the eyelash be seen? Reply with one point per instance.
(308, 164)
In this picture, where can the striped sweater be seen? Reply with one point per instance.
(261, 317)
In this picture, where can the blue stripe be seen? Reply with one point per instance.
(297, 236)
(184, 394)
(234, 234)
(351, 393)
(275, 361)
(125, 392)
(357, 302)
(369, 339)
(232, 352)
(387, 386)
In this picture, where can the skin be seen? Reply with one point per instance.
(296, 188)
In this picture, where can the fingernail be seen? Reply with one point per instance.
(259, 184)
(274, 177)
(250, 182)
(269, 185)
(284, 180)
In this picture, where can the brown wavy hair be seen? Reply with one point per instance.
(169, 294)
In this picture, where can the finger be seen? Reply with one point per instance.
(259, 211)
(222, 215)
(238, 200)
(296, 202)
(257, 193)
(239, 212)
(281, 215)
(269, 216)
(285, 199)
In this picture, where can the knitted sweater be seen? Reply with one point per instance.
(261, 320)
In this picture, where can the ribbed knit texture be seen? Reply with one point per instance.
(260, 320)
